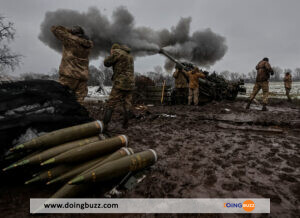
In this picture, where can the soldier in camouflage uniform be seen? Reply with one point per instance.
(194, 76)
(264, 70)
(74, 67)
(123, 82)
(288, 85)
(181, 86)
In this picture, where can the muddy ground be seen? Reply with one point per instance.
(202, 155)
(218, 150)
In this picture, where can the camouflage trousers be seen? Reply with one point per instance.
(193, 94)
(287, 92)
(79, 87)
(265, 88)
(119, 98)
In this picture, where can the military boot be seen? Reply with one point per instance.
(107, 118)
(248, 104)
(264, 108)
(125, 118)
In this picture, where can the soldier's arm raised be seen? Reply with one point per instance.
(175, 74)
(67, 38)
(62, 33)
(201, 75)
(110, 60)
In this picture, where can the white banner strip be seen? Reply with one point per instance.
(152, 205)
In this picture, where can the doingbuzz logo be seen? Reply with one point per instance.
(246, 205)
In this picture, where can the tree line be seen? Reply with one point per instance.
(251, 76)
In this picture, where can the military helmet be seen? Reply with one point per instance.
(77, 30)
(115, 46)
(177, 66)
(266, 59)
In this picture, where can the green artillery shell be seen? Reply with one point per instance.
(51, 152)
(61, 136)
(114, 156)
(77, 170)
(89, 151)
(50, 174)
(14, 165)
(118, 167)
(69, 191)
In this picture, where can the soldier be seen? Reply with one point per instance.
(288, 85)
(193, 76)
(74, 67)
(264, 70)
(181, 85)
(123, 82)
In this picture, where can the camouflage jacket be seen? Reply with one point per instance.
(75, 54)
(288, 81)
(123, 67)
(180, 79)
(263, 71)
(194, 78)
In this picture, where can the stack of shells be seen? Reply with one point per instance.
(77, 156)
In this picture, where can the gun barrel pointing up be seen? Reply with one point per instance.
(163, 52)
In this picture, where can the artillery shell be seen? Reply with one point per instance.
(61, 136)
(77, 170)
(89, 151)
(118, 167)
(50, 174)
(51, 152)
(69, 191)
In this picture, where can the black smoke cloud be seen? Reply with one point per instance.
(201, 47)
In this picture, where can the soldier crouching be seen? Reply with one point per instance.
(264, 70)
(123, 82)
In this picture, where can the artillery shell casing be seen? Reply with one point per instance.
(77, 170)
(50, 174)
(118, 167)
(114, 156)
(51, 152)
(90, 151)
(61, 136)
(69, 191)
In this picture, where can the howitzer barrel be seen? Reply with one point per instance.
(61, 136)
(161, 51)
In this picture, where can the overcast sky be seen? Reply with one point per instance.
(253, 29)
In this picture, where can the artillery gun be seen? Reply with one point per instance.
(213, 87)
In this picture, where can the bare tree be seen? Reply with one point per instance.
(235, 76)
(158, 69)
(225, 74)
(107, 72)
(8, 59)
(297, 73)
(277, 72)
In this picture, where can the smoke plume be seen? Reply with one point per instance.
(201, 47)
